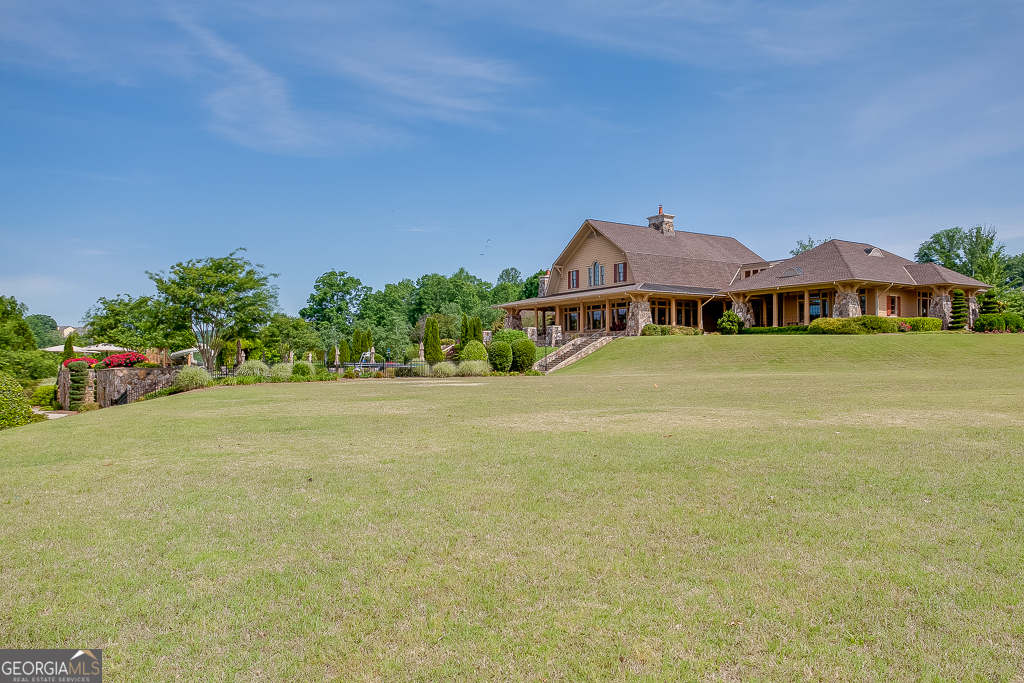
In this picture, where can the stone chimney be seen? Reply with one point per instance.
(662, 222)
(542, 284)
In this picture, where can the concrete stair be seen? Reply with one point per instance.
(578, 348)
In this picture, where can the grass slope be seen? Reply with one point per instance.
(669, 508)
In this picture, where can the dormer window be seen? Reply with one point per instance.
(793, 271)
(874, 251)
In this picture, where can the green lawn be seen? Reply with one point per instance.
(670, 508)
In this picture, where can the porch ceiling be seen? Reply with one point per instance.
(598, 294)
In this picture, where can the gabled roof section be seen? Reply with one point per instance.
(686, 259)
(842, 261)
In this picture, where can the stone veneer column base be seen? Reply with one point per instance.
(847, 305)
(941, 306)
(639, 315)
(973, 311)
(745, 311)
(513, 321)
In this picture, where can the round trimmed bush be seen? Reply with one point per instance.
(524, 355)
(190, 378)
(730, 323)
(500, 355)
(990, 322)
(281, 371)
(444, 369)
(302, 369)
(252, 368)
(474, 368)
(14, 408)
(473, 350)
(650, 330)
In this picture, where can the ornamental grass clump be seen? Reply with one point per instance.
(281, 372)
(474, 368)
(500, 355)
(473, 350)
(444, 369)
(252, 368)
(191, 378)
(14, 408)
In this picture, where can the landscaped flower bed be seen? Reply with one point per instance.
(124, 360)
(84, 359)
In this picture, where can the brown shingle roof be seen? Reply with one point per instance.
(841, 261)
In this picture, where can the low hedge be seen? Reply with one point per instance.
(922, 324)
(836, 326)
(790, 329)
(990, 322)
(44, 396)
(650, 330)
(1014, 322)
(510, 337)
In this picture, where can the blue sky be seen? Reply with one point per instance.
(392, 139)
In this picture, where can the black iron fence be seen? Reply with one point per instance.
(319, 366)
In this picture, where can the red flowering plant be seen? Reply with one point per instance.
(124, 360)
(903, 327)
(86, 359)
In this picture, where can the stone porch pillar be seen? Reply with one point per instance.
(638, 316)
(743, 310)
(973, 310)
(941, 306)
(513, 320)
(847, 304)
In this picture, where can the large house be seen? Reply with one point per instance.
(614, 278)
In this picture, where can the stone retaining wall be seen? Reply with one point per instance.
(113, 382)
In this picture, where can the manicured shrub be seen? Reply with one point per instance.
(88, 360)
(730, 323)
(478, 329)
(990, 322)
(790, 329)
(252, 368)
(989, 303)
(14, 408)
(79, 383)
(350, 373)
(324, 375)
(86, 407)
(432, 342)
(302, 369)
(687, 331)
(412, 352)
(665, 330)
(876, 324)
(444, 369)
(922, 324)
(147, 364)
(508, 336)
(474, 368)
(500, 355)
(123, 360)
(464, 334)
(190, 378)
(1014, 322)
(473, 350)
(836, 326)
(524, 355)
(281, 371)
(44, 396)
(959, 312)
(650, 330)
(344, 352)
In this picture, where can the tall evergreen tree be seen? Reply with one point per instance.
(368, 342)
(477, 331)
(357, 344)
(432, 342)
(344, 353)
(464, 334)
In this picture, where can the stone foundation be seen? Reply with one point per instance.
(531, 332)
(113, 382)
(847, 305)
(941, 306)
(745, 311)
(513, 321)
(639, 315)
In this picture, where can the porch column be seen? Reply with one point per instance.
(807, 307)
(608, 315)
(672, 313)
(700, 314)
(775, 309)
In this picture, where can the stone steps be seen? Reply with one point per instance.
(582, 351)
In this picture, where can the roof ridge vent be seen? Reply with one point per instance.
(874, 251)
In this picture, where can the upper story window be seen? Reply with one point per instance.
(595, 275)
(574, 279)
(620, 272)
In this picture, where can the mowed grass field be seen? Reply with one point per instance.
(670, 508)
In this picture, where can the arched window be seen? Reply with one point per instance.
(598, 274)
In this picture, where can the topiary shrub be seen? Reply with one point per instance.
(252, 368)
(444, 369)
(876, 324)
(835, 326)
(302, 369)
(989, 303)
(510, 337)
(959, 312)
(730, 323)
(14, 408)
(281, 371)
(473, 350)
(79, 383)
(191, 378)
(990, 322)
(650, 330)
(1014, 322)
(524, 354)
(500, 355)
(474, 368)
